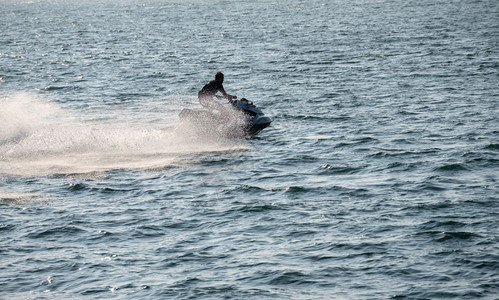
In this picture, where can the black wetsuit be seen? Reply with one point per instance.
(209, 91)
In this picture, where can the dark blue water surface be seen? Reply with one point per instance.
(377, 179)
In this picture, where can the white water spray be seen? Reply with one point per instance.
(38, 137)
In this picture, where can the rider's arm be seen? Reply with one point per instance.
(225, 95)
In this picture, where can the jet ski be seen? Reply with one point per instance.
(241, 119)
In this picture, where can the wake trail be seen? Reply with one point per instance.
(38, 137)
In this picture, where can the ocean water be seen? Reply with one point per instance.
(377, 179)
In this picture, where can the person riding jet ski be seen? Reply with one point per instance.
(209, 91)
(241, 119)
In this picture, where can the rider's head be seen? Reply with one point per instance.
(219, 76)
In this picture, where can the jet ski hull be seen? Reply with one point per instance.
(242, 120)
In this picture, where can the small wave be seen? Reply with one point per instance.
(7, 228)
(357, 141)
(492, 147)
(110, 190)
(431, 187)
(297, 189)
(321, 258)
(250, 189)
(285, 278)
(408, 113)
(483, 162)
(457, 235)
(395, 165)
(147, 231)
(55, 88)
(451, 168)
(104, 235)
(388, 153)
(306, 117)
(60, 231)
(448, 224)
(404, 141)
(74, 187)
(94, 291)
(339, 170)
(444, 236)
(258, 208)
